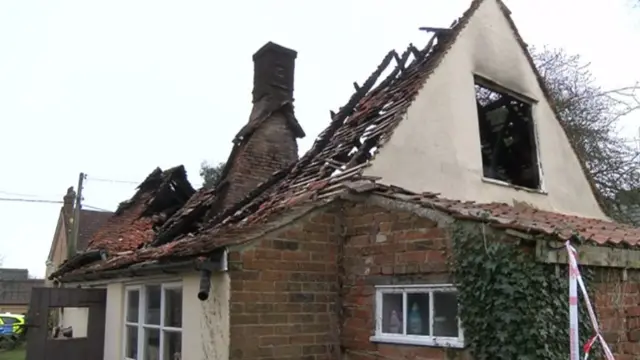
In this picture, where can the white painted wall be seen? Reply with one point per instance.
(436, 147)
(114, 324)
(205, 325)
(76, 317)
(205, 333)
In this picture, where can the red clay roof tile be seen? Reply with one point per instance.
(533, 220)
(500, 215)
(132, 225)
(335, 164)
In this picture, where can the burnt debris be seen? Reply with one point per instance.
(507, 138)
(135, 221)
(213, 219)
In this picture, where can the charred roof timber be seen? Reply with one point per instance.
(333, 168)
(435, 29)
(248, 193)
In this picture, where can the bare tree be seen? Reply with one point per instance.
(591, 116)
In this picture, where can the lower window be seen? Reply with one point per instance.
(418, 315)
(153, 322)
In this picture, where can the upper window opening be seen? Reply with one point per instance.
(507, 138)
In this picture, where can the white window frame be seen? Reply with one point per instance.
(421, 340)
(142, 313)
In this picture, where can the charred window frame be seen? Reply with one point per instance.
(507, 136)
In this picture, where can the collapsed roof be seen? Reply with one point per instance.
(334, 167)
(134, 223)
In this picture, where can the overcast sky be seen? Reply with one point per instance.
(116, 88)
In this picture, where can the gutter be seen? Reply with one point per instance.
(217, 262)
(79, 260)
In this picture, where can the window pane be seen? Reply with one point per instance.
(418, 314)
(445, 317)
(153, 305)
(8, 320)
(133, 299)
(392, 313)
(172, 345)
(131, 346)
(151, 344)
(173, 307)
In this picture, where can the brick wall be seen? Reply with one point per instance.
(283, 300)
(618, 306)
(384, 247)
(270, 148)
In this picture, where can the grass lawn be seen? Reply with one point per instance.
(17, 354)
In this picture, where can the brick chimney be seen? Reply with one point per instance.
(273, 72)
(267, 143)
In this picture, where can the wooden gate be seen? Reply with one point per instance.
(40, 343)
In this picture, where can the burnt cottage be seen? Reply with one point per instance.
(362, 248)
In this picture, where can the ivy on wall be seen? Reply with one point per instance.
(511, 306)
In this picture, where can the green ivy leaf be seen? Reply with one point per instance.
(511, 306)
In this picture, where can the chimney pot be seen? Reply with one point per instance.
(273, 70)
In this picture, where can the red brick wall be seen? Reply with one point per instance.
(285, 303)
(283, 300)
(618, 307)
(381, 248)
(270, 148)
(384, 247)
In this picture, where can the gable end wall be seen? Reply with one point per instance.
(436, 147)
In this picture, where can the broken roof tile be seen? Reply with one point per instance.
(338, 156)
(545, 222)
(160, 195)
(500, 215)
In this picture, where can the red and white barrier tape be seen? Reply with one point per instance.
(575, 280)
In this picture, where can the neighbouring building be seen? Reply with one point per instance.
(15, 290)
(449, 181)
(90, 222)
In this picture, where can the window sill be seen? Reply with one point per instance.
(419, 341)
(516, 187)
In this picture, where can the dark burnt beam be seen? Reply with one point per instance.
(341, 116)
(428, 47)
(436, 30)
(401, 61)
(416, 53)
